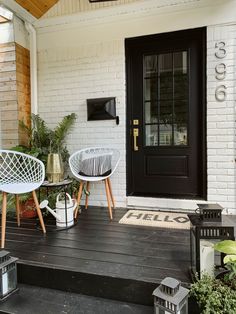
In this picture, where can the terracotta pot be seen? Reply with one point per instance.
(27, 209)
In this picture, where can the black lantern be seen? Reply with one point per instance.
(170, 297)
(8, 278)
(210, 212)
(206, 229)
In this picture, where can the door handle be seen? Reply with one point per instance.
(135, 135)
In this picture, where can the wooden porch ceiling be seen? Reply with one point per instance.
(37, 7)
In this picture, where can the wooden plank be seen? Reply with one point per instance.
(37, 7)
(29, 6)
(8, 56)
(11, 125)
(22, 75)
(8, 66)
(7, 76)
(9, 143)
(8, 105)
(7, 86)
(23, 98)
(8, 95)
(23, 87)
(23, 50)
(7, 47)
(98, 267)
(150, 263)
(23, 68)
(10, 115)
(98, 247)
(135, 247)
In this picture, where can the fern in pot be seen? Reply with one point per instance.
(42, 142)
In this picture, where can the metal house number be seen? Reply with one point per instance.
(220, 71)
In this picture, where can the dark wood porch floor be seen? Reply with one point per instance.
(100, 257)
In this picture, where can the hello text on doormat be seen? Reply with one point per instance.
(156, 219)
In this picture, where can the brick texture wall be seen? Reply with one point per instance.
(221, 117)
(67, 77)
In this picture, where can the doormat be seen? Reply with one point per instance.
(156, 219)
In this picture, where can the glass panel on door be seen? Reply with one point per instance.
(166, 97)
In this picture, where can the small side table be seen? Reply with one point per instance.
(65, 184)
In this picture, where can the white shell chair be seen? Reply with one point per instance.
(93, 165)
(19, 173)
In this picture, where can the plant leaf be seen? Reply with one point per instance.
(229, 258)
(226, 246)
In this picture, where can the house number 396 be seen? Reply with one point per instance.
(220, 71)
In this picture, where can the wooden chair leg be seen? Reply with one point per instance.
(79, 198)
(17, 210)
(39, 211)
(108, 198)
(112, 198)
(4, 214)
(87, 196)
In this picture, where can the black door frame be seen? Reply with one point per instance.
(129, 104)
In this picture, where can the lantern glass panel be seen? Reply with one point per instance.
(9, 279)
(160, 311)
(184, 309)
(193, 249)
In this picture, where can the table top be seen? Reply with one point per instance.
(52, 184)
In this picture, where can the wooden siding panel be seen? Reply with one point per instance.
(23, 87)
(7, 56)
(7, 66)
(8, 95)
(14, 92)
(7, 86)
(7, 47)
(8, 76)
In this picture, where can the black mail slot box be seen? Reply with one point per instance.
(101, 108)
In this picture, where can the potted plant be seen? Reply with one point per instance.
(43, 141)
(27, 206)
(218, 295)
(213, 296)
(228, 247)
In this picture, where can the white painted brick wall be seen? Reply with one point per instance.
(66, 79)
(69, 76)
(221, 120)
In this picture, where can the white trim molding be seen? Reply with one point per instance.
(18, 10)
(152, 203)
(144, 7)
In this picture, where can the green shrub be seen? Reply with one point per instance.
(213, 296)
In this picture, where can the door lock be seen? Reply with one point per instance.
(135, 135)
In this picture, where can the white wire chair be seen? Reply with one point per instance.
(19, 173)
(92, 165)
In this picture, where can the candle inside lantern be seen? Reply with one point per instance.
(207, 257)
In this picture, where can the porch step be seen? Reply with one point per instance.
(108, 287)
(30, 299)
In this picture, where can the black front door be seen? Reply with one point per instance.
(166, 115)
